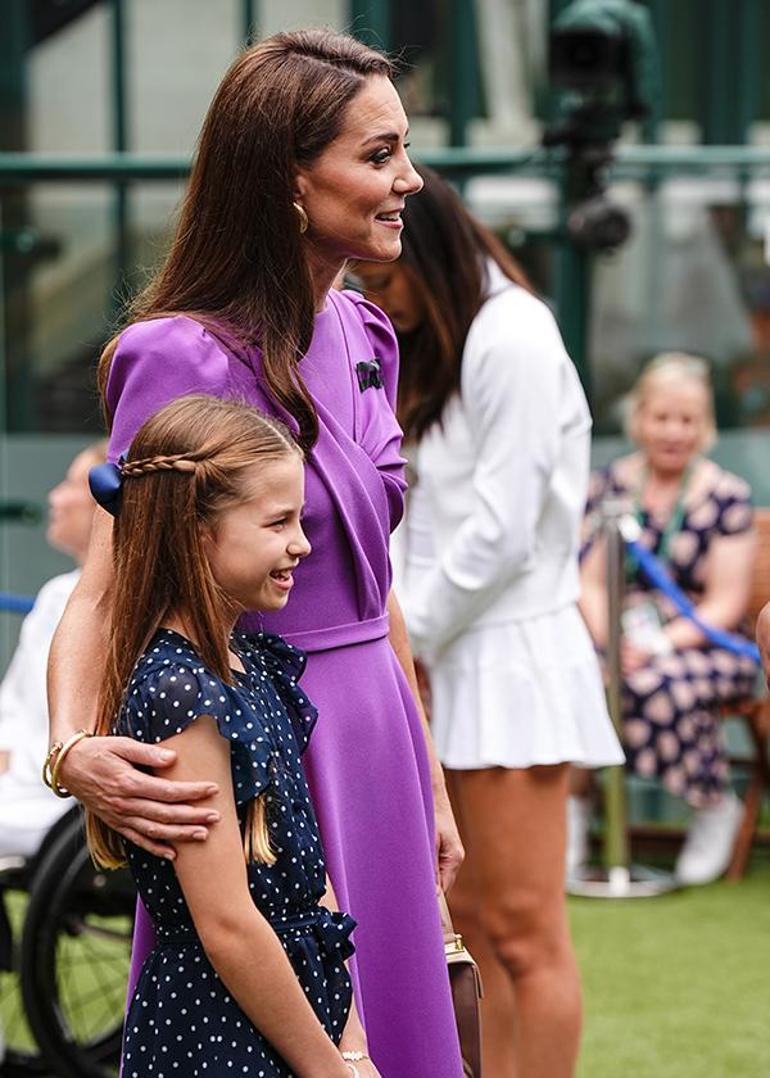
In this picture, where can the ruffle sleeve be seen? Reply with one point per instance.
(165, 701)
(157, 362)
(380, 434)
(285, 665)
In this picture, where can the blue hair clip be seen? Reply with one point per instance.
(106, 483)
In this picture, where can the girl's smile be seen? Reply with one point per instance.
(283, 578)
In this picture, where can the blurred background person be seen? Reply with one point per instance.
(697, 519)
(27, 808)
(500, 433)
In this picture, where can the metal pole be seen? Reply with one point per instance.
(16, 368)
(662, 30)
(121, 208)
(616, 853)
(249, 21)
(370, 22)
(572, 282)
(749, 83)
(617, 877)
(462, 70)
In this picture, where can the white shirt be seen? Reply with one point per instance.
(23, 698)
(494, 518)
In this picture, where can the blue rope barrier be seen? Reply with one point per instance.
(15, 604)
(657, 575)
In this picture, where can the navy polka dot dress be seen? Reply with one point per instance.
(182, 1020)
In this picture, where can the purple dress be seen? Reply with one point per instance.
(367, 764)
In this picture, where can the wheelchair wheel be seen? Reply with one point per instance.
(75, 953)
(22, 1056)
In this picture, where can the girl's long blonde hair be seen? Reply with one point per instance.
(186, 464)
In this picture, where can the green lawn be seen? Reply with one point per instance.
(677, 986)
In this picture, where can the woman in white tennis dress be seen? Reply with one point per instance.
(501, 436)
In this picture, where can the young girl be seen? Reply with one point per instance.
(248, 974)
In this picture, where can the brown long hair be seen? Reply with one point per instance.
(237, 261)
(444, 252)
(185, 465)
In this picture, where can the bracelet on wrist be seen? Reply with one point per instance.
(49, 761)
(56, 757)
(354, 1057)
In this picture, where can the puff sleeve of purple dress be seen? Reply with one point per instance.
(367, 765)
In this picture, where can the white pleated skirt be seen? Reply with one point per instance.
(520, 694)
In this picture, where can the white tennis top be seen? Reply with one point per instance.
(491, 561)
(494, 518)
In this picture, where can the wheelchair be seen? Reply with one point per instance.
(65, 943)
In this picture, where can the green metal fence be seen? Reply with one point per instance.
(123, 172)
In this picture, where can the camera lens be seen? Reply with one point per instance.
(585, 59)
(599, 224)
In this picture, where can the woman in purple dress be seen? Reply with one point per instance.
(301, 165)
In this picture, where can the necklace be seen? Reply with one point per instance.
(673, 525)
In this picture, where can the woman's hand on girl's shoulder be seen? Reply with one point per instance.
(151, 812)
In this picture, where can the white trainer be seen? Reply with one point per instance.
(706, 852)
(578, 820)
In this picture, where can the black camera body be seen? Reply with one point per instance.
(603, 63)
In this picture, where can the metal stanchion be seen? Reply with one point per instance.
(617, 877)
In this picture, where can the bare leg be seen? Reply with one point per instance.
(581, 782)
(514, 825)
(497, 1007)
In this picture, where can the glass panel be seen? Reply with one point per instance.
(62, 299)
(176, 54)
(693, 277)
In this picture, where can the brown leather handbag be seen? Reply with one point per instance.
(465, 982)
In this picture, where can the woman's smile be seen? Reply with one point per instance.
(391, 219)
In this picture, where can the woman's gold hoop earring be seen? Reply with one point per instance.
(303, 218)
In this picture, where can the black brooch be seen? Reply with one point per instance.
(369, 375)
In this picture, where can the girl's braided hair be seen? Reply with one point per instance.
(177, 462)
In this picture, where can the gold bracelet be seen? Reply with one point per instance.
(56, 786)
(48, 763)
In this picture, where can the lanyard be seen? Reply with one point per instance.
(673, 524)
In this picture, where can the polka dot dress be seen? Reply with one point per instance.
(182, 1020)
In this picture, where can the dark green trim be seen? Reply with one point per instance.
(749, 66)
(19, 169)
(370, 22)
(661, 17)
(121, 208)
(16, 376)
(463, 68)
(249, 21)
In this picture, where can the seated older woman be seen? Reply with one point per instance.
(697, 519)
